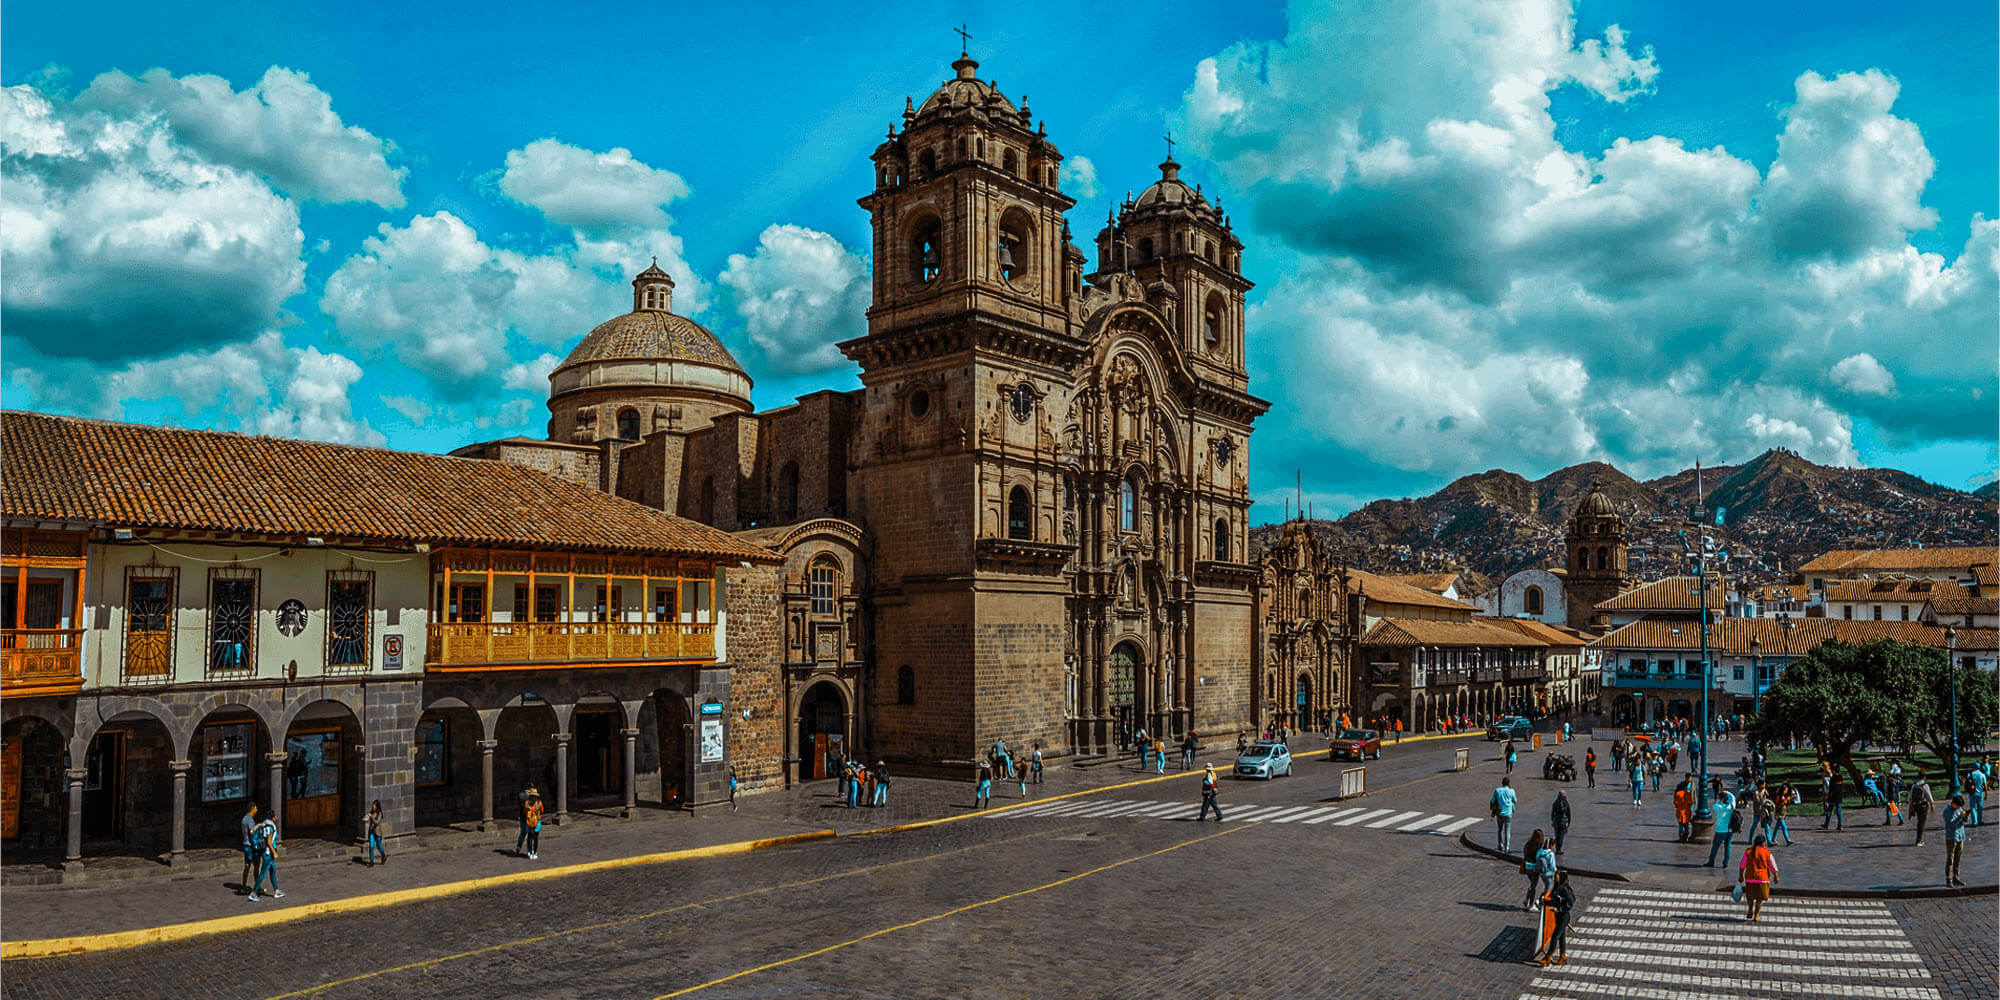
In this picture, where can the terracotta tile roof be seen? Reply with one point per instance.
(1782, 592)
(1386, 590)
(1962, 601)
(1732, 636)
(1986, 575)
(1675, 593)
(1545, 633)
(1897, 588)
(1425, 632)
(136, 476)
(1436, 583)
(1855, 561)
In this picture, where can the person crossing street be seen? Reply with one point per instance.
(1559, 819)
(1209, 790)
(1502, 806)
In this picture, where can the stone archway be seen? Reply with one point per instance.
(822, 722)
(447, 764)
(33, 796)
(322, 776)
(1124, 693)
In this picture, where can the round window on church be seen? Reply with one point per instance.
(920, 404)
(1022, 402)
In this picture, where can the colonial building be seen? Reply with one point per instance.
(1303, 637)
(1030, 522)
(200, 620)
(1594, 560)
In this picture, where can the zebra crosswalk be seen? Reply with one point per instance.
(1665, 945)
(1314, 814)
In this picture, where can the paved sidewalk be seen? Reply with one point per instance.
(1607, 834)
(313, 872)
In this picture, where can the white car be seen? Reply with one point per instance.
(1264, 760)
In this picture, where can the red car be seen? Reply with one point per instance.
(1359, 744)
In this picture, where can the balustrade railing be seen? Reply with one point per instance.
(567, 642)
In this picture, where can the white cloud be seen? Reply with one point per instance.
(531, 375)
(458, 310)
(283, 128)
(414, 410)
(798, 295)
(118, 241)
(262, 386)
(1079, 178)
(1477, 294)
(590, 191)
(1863, 375)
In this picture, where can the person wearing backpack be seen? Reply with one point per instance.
(1921, 801)
(1556, 906)
(1727, 823)
(1209, 790)
(881, 774)
(265, 837)
(531, 819)
(1540, 865)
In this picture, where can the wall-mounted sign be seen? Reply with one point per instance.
(711, 708)
(292, 617)
(711, 740)
(392, 652)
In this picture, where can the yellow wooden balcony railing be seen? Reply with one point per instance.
(567, 642)
(41, 660)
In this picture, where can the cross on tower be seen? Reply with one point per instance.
(963, 39)
(1170, 143)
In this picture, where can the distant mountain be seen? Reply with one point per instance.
(1779, 510)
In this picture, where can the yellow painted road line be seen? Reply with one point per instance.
(46, 947)
(489, 949)
(948, 913)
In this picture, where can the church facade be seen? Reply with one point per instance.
(1030, 522)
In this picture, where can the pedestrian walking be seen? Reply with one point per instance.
(1145, 750)
(1654, 765)
(1727, 823)
(249, 825)
(1832, 792)
(1893, 813)
(1539, 862)
(265, 836)
(1556, 906)
(732, 788)
(1036, 763)
(881, 774)
(982, 793)
(1209, 791)
(1921, 801)
(1399, 729)
(1684, 810)
(1755, 873)
(1761, 808)
(1637, 774)
(1507, 751)
(1559, 819)
(1021, 777)
(1502, 805)
(531, 818)
(1975, 793)
(1956, 819)
(868, 781)
(1590, 765)
(1187, 751)
(1160, 756)
(1781, 807)
(521, 819)
(373, 847)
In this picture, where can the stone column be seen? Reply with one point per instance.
(73, 856)
(486, 748)
(178, 851)
(276, 760)
(631, 771)
(562, 778)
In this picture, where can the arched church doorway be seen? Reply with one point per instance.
(1122, 690)
(822, 731)
(1302, 699)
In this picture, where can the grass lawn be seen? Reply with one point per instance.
(1801, 768)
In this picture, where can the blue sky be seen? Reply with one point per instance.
(1515, 235)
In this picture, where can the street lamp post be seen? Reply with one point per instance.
(1951, 670)
(1704, 816)
(1756, 676)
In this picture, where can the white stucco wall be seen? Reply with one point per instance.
(1513, 597)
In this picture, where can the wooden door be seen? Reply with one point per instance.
(10, 789)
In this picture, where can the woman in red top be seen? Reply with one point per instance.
(1756, 872)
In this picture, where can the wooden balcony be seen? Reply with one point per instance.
(462, 644)
(35, 661)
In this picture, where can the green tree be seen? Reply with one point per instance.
(1978, 706)
(1839, 695)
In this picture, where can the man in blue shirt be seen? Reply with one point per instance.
(1725, 813)
(1955, 816)
(1975, 790)
(1502, 805)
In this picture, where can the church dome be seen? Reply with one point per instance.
(1597, 504)
(1169, 190)
(966, 91)
(646, 335)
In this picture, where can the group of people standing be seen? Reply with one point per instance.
(1023, 771)
(861, 785)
